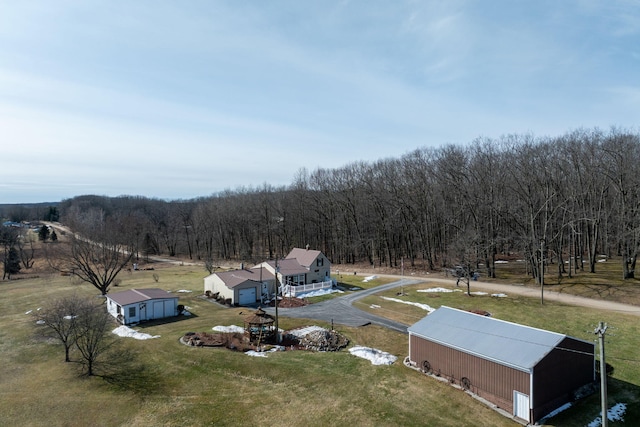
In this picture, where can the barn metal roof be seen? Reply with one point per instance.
(518, 346)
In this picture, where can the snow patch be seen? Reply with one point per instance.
(229, 329)
(375, 356)
(184, 291)
(616, 413)
(554, 413)
(317, 293)
(443, 290)
(127, 332)
(254, 353)
(369, 278)
(417, 304)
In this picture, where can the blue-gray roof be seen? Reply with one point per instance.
(511, 344)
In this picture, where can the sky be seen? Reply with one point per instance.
(183, 99)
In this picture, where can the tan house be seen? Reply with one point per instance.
(302, 270)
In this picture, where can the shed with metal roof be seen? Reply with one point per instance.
(526, 371)
(139, 305)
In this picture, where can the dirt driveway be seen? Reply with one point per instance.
(533, 293)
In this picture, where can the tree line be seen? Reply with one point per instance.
(565, 200)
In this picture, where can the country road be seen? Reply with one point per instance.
(340, 309)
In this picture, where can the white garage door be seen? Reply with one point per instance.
(521, 405)
(246, 296)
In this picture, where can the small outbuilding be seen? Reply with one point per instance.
(525, 371)
(139, 305)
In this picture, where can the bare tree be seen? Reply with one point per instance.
(59, 316)
(27, 250)
(97, 263)
(92, 340)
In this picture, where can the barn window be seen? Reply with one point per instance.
(132, 312)
(319, 262)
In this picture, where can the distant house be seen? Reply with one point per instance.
(139, 305)
(302, 270)
(526, 371)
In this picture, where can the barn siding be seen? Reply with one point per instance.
(489, 379)
(566, 368)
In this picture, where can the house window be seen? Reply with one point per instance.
(132, 312)
(118, 309)
(319, 262)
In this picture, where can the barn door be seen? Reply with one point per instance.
(521, 405)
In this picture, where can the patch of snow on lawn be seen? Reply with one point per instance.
(374, 306)
(184, 291)
(444, 290)
(317, 293)
(616, 413)
(263, 353)
(499, 295)
(479, 293)
(554, 413)
(417, 304)
(40, 322)
(232, 328)
(375, 356)
(127, 332)
(29, 312)
(369, 278)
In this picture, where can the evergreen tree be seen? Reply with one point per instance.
(43, 234)
(12, 262)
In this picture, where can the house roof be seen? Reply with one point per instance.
(305, 257)
(289, 267)
(139, 295)
(235, 278)
(518, 346)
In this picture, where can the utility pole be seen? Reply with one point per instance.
(600, 331)
(542, 271)
(277, 327)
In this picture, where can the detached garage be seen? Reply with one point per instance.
(525, 371)
(240, 287)
(139, 305)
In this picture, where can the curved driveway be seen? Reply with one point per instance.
(340, 309)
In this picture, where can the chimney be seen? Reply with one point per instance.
(307, 246)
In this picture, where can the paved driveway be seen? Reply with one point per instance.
(340, 309)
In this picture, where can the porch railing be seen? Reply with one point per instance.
(301, 289)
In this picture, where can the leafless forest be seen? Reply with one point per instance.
(575, 197)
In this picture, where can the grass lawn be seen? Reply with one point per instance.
(170, 384)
